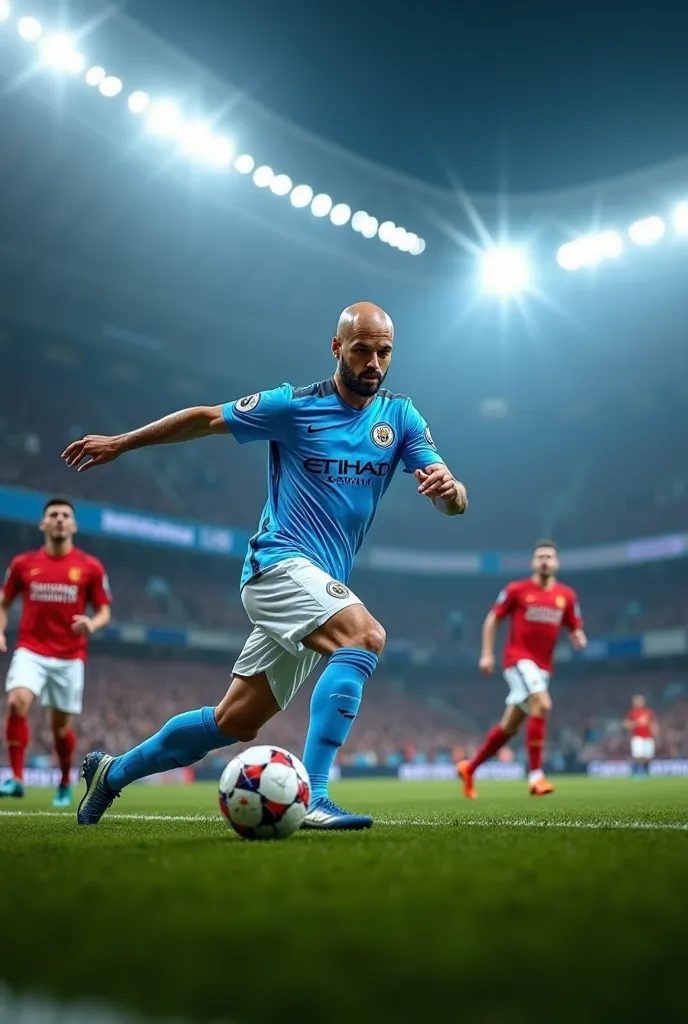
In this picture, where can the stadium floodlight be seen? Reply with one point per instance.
(195, 138)
(163, 118)
(110, 87)
(610, 244)
(398, 239)
(58, 52)
(220, 151)
(505, 271)
(30, 29)
(340, 214)
(680, 219)
(76, 64)
(301, 196)
(647, 231)
(568, 256)
(407, 242)
(244, 163)
(321, 205)
(386, 231)
(138, 102)
(4, 10)
(417, 247)
(369, 229)
(281, 185)
(94, 76)
(262, 176)
(359, 220)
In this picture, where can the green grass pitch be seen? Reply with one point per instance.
(499, 911)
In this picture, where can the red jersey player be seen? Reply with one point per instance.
(56, 583)
(641, 722)
(538, 606)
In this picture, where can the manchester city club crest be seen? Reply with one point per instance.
(428, 438)
(247, 404)
(335, 589)
(382, 435)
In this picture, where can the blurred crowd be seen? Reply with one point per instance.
(588, 492)
(437, 614)
(421, 720)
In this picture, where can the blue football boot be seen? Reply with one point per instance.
(12, 787)
(63, 796)
(98, 796)
(325, 815)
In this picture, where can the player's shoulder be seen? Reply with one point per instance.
(566, 591)
(319, 389)
(26, 558)
(515, 586)
(391, 396)
(86, 559)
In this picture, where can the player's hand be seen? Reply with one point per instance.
(579, 640)
(92, 450)
(487, 664)
(82, 625)
(3, 643)
(437, 482)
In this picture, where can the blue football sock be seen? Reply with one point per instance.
(334, 706)
(182, 741)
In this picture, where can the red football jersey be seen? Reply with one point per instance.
(643, 721)
(54, 590)
(537, 615)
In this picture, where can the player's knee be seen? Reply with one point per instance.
(372, 637)
(17, 704)
(237, 723)
(540, 705)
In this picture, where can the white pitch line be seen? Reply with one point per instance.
(647, 826)
(69, 816)
(535, 823)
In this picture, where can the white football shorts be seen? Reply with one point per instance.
(285, 604)
(642, 748)
(524, 679)
(57, 682)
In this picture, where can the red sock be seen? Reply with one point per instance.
(495, 739)
(535, 742)
(17, 735)
(64, 748)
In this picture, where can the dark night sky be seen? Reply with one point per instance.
(532, 95)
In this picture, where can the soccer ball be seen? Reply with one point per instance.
(264, 793)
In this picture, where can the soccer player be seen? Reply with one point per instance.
(56, 583)
(333, 449)
(538, 607)
(641, 722)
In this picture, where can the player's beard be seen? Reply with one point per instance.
(354, 381)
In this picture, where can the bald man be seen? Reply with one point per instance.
(333, 449)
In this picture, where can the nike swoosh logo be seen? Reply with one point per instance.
(319, 430)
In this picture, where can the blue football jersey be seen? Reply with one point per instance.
(328, 467)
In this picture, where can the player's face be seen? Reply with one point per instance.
(58, 523)
(545, 562)
(638, 701)
(363, 363)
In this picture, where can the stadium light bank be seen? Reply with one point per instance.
(197, 139)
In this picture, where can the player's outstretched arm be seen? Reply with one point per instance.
(185, 425)
(4, 610)
(87, 625)
(487, 655)
(579, 640)
(447, 494)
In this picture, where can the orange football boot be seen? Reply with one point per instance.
(541, 788)
(463, 770)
